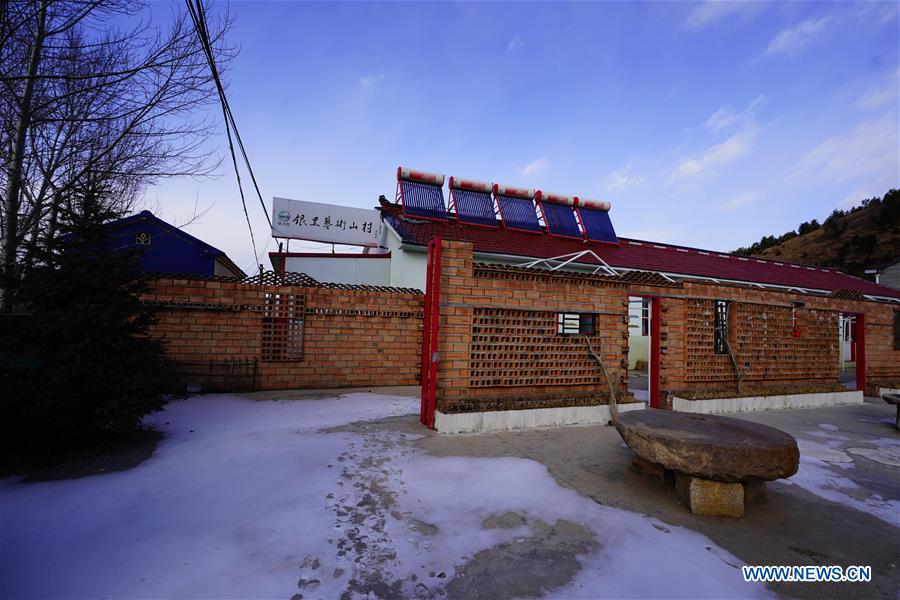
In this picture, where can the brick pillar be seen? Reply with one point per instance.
(457, 284)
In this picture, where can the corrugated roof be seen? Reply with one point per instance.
(638, 254)
(147, 216)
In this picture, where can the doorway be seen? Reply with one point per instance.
(643, 349)
(852, 351)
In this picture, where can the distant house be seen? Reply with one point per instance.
(168, 249)
(887, 274)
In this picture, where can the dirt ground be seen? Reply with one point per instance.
(791, 526)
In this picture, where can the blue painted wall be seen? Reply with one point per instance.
(170, 250)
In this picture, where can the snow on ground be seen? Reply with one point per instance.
(266, 499)
(886, 455)
(824, 467)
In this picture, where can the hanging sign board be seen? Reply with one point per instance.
(317, 222)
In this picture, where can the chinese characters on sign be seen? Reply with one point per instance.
(326, 223)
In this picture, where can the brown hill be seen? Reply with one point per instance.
(866, 236)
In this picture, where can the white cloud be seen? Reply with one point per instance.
(870, 152)
(792, 40)
(718, 155)
(880, 95)
(726, 117)
(371, 80)
(872, 13)
(621, 179)
(536, 167)
(515, 42)
(711, 12)
(736, 202)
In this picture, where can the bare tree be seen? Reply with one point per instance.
(91, 111)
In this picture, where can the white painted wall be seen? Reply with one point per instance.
(753, 403)
(408, 266)
(408, 269)
(638, 349)
(339, 269)
(505, 420)
(890, 276)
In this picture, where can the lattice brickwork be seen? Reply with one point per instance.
(763, 344)
(282, 326)
(703, 364)
(522, 348)
(763, 340)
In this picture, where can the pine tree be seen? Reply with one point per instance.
(94, 371)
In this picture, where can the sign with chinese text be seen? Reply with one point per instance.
(329, 223)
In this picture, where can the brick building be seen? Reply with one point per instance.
(283, 332)
(516, 304)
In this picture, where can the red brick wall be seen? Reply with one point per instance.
(350, 337)
(498, 345)
(761, 336)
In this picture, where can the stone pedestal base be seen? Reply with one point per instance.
(754, 490)
(895, 400)
(707, 497)
(653, 470)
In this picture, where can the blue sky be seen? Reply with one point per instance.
(705, 124)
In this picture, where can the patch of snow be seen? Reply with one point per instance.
(823, 452)
(227, 507)
(886, 455)
(685, 563)
(828, 436)
(816, 476)
(253, 499)
(885, 421)
(891, 441)
(829, 427)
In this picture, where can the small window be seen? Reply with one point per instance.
(575, 324)
(721, 327)
(142, 238)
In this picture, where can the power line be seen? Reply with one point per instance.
(198, 17)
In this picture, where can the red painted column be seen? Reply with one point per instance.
(860, 352)
(430, 333)
(653, 383)
(434, 337)
(426, 336)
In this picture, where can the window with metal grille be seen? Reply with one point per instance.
(574, 324)
(282, 327)
(721, 327)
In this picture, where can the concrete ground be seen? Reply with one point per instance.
(848, 379)
(639, 384)
(792, 526)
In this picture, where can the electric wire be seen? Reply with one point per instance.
(198, 17)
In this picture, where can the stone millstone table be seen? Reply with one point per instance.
(895, 400)
(717, 461)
